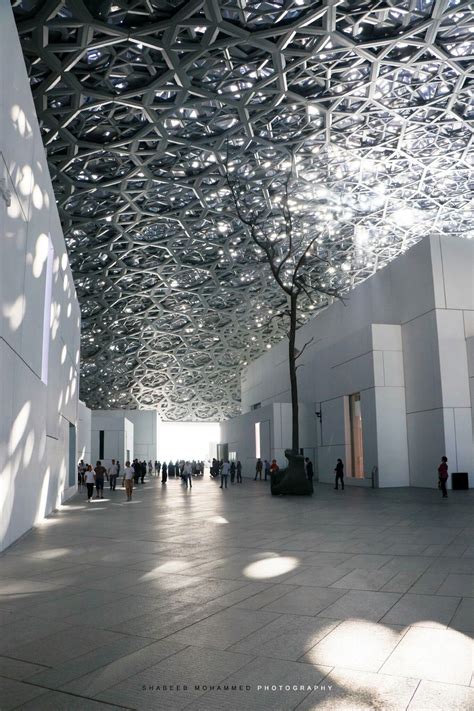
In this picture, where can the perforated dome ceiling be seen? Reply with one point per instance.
(139, 103)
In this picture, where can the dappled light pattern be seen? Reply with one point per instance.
(141, 109)
(271, 567)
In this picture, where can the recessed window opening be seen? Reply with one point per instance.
(48, 292)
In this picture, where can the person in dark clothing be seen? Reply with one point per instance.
(258, 469)
(238, 469)
(171, 469)
(309, 468)
(143, 471)
(443, 476)
(136, 466)
(339, 474)
(164, 473)
(232, 472)
(100, 473)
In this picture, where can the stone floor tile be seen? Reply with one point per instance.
(433, 655)
(361, 604)
(63, 646)
(349, 690)
(456, 584)
(321, 576)
(366, 562)
(429, 582)
(308, 600)
(58, 701)
(117, 671)
(15, 693)
(288, 637)
(440, 697)
(224, 628)
(463, 619)
(265, 597)
(401, 582)
(364, 580)
(288, 678)
(422, 610)
(16, 669)
(356, 644)
(189, 668)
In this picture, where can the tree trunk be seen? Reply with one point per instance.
(295, 434)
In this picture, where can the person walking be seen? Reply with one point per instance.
(238, 469)
(157, 468)
(118, 468)
(443, 476)
(339, 474)
(136, 466)
(128, 477)
(258, 469)
(225, 469)
(113, 474)
(188, 475)
(232, 472)
(89, 478)
(266, 468)
(100, 473)
(164, 473)
(309, 468)
(81, 470)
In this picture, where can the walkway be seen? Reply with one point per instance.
(354, 600)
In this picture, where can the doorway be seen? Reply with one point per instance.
(357, 445)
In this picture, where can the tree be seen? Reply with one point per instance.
(290, 220)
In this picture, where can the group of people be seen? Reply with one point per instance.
(96, 477)
(177, 469)
(225, 469)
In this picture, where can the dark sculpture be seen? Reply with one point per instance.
(292, 480)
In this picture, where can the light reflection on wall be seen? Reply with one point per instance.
(187, 440)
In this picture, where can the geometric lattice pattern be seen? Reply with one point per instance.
(140, 100)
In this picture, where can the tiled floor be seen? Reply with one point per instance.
(350, 600)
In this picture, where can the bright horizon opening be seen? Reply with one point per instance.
(187, 440)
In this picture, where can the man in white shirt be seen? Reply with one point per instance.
(113, 473)
(128, 474)
(225, 469)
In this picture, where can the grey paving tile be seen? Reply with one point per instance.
(57, 701)
(284, 680)
(366, 562)
(14, 694)
(265, 597)
(320, 576)
(364, 580)
(361, 604)
(92, 660)
(349, 690)
(463, 619)
(122, 668)
(422, 610)
(287, 637)
(187, 669)
(307, 600)
(16, 669)
(224, 628)
(433, 655)
(63, 646)
(25, 630)
(439, 697)
(456, 584)
(356, 644)
(401, 582)
(429, 582)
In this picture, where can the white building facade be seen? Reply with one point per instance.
(386, 384)
(39, 315)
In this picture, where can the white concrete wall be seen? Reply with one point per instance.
(401, 340)
(38, 389)
(239, 433)
(118, 436)
(84, 426)
(145, 430)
